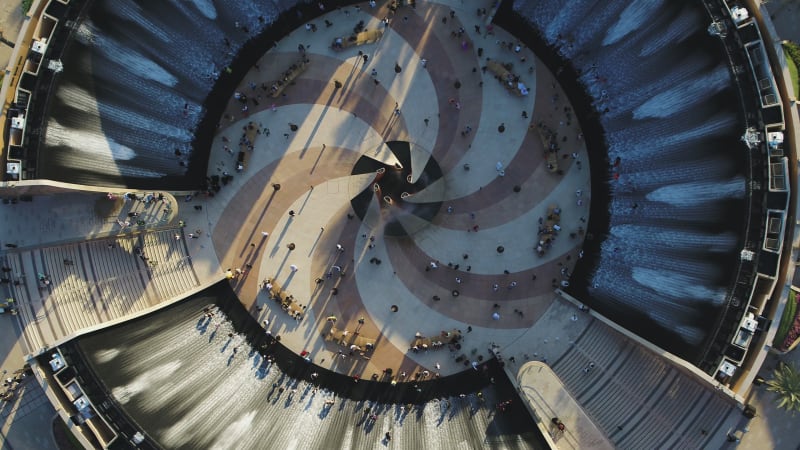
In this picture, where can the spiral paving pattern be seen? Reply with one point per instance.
(477, 214)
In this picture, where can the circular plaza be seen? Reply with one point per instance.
(426, 273)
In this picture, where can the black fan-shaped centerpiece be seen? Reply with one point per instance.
(394, 186)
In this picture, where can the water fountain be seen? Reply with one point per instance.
(190, 381)
(130, 105)
(394, 188)
(661, 261)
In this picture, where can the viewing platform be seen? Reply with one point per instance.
(559, 417)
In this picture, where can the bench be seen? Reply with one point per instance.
(364, 37)
(348, 338)
(549, 140)
(507, 79)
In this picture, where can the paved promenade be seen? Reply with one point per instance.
(423, 83)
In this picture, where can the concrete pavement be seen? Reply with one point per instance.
(313, 165)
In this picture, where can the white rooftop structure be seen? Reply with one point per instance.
(739, 14)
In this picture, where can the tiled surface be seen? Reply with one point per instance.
(335, 128)
(29, 396)
(26, 420)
